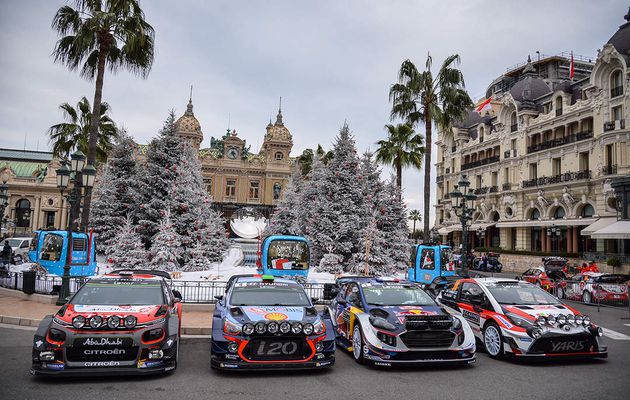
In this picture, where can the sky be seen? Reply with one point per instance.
(331, 61)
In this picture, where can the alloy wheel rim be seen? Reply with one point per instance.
(492, 340)
(356, 343)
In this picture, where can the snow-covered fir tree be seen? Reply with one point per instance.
(156, 179)
(285, 218)
(128, 251)
(115, 197)
(373, 255)
(165, 248)
(393, 225)
(331, 263)
(336, 218)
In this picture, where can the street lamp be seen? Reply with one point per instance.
(81, 176)
(554, 233)
(464, 211)
(481, 233)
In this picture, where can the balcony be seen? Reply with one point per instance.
(609, 170)
(559, 142)
(494, 189)
(616, 91)
(479, 163)
(482, 190)
(550, 180)
(507, 186)
(439, 179)
(614, 125)
(513, 127)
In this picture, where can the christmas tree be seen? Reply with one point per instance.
(115, 197)
(331, 263)
(165, 248)
(393, 224)
(128, 251)
(285, 219)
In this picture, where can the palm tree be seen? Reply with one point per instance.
(73, 134)
(305, 160)
(421, 98)
(403, 148)
(100, 34)
(415, 216)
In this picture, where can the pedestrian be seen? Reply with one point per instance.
(484, 261)
(7, 253)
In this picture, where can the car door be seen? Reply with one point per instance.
(472, 301)
(353, 305)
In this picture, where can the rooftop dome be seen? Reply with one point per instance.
(621, 39)
(472, 118)
(278, 131)
(188, 123)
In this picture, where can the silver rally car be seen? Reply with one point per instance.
(513, 317)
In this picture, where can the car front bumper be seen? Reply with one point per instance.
(58, 369)
(555, 344)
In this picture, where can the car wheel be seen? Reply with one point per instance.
(357, 345)
(493, 340)
(586, 297)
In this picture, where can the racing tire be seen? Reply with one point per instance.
(357, 345)
(586, 297)
(493, 341)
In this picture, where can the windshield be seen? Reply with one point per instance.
(51, 247)
(612, 278)
(447, 258)
(268, 294)
(397, 296)
(34, 241)
(520, 293)
(120, 293)
(288, 254)
(14, 242)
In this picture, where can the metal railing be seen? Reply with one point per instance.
(479, 163)
(565, 177)
(613, 125)
(559, 141)
(609, 169)
(191, 291)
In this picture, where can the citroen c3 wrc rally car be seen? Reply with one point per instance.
(126, 322)
(264, 322)
(388, 323)
(521, 319)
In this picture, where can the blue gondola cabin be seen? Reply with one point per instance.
(50, 248)
(429, 263)
(284, 255)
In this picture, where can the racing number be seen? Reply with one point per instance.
(277, 348)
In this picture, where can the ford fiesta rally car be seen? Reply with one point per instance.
(264, 322)
(127, 322)
(397, 323)
(521, 319)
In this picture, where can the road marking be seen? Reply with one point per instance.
(615, 335)
(627, 324)
(20, 327)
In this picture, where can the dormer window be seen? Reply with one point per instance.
(481, 134)
(278, 156)
(558, 106)
(513, 123)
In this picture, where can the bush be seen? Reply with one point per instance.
(613, 262)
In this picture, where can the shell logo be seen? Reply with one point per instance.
(276, 316)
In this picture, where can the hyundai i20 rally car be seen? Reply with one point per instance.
(520, 319)
(389, 323)
(127, 322)
(264, 322)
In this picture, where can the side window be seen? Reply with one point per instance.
(167, 294)
(412, 259)
(24, 244)
(427, 259)
(354, 296)
(471, 293)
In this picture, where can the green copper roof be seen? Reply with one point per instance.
(25, 169)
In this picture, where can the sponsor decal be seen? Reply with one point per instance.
(104, 352)
(276, 316)
(270, 309)
(382, 364)
(232, 356)
(504, 321)
(101, 364)
(525, 339)
(148, 364)
(427, 277)
(39, 343)
(262, 284)
(223, 365)
(323, 363)
(125, 309)
(169, 342)
(56, 367)
(104, 341)
(471, 316)
(574, 345)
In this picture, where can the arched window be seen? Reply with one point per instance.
(23, 213)
(481, 134)
(616, 83)
(495, 217)
(558, 213)
(535, 215)
(279, 156)
(558, 105)
(513, 123)
(587, 211)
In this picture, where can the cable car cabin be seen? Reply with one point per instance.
(429, 263)
(50, 248)
(286, 256)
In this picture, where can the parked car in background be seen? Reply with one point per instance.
(594, 287)
(20, 246)
(553, 269)
(493, 265)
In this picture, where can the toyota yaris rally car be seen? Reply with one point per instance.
(264, 322)
(389, 323)
(127, 322)
(520, 319)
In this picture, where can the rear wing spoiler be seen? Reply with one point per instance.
(154, 272)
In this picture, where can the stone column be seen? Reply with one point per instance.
(575, 239)
(543, 240)
(547, 238)
(36, 213)
(569, 239)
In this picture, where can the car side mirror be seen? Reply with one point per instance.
(219, 297)
(177, 294)
(343, 302)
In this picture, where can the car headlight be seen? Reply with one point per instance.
(586, 321)
(130, 321)
(382, 323)
(537, 333)
(319, 328)
(562, 319)
(272, 327)
(457, 324)
(78, 321)
(96, 321)
(308, 329)
(231, 327)
(113, 322)
(579, 319)
(519, 321)
(296, 328)
(248, 329)
(261, 327)
(285, 327)
(571, 319)
(152, 335)
(551, 319)
(541, 320)
(57, 335)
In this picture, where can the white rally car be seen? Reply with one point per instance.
(520, 319)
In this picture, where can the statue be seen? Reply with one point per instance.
(277, 189)
(541, 199)
(567, 197)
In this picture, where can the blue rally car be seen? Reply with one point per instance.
(388, 323)
(264, 322)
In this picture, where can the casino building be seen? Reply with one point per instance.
(543, 157)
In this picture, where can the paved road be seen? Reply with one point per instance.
(488, 379)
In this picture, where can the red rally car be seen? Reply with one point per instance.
(126, 322)
(545, 276)
(595, 287)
